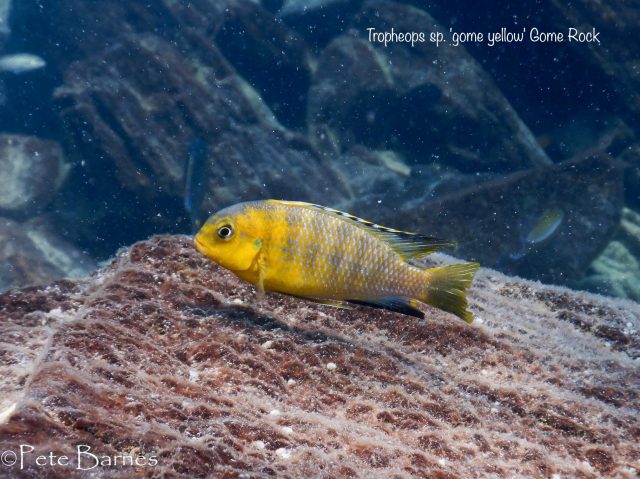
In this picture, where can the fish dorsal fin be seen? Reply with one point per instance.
(408, 245)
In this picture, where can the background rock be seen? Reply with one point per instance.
(490, 221)
(432, 103)
(616, 56)
(616, 271)
(255, 42)
(137, 134)
(290, 100)
(31, 172)
(163, 353)
(631, 156)
(318, 20)
(94, 26)
(32, 254)
(5, 10)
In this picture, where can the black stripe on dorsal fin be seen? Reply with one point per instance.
(408, 245)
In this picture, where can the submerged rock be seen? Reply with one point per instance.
(110, 21)
(31, 171)
(615, 54)
(632, 175)
(163, 355)
(319, 20)
(31, 253)
(255, 42)
(5, 10)
(491, 220)
(433, 103)
(142, 128)
(616, 271)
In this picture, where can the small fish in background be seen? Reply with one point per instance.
(333, 257)
(20, 63)
(544, 228)
(195, 181)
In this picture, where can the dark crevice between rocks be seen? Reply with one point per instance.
(271, 58)
(523, 70)
(321, 24)
(104, 112)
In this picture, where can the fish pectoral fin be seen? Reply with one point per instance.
(262, 273)
(399, 304)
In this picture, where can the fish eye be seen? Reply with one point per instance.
(225, 232)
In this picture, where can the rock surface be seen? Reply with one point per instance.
(616, 271)
(491, 220)
(31, 253)
(433, 103)
(163, 354)
(143, 128)
(31, 171)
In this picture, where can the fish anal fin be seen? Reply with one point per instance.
(399, 304)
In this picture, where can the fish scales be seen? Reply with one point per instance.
(324, 254)
(347, 261)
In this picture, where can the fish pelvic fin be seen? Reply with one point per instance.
(447, 288)
(334, 303)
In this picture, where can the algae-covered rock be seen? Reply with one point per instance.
(165, 357)
(616, 273)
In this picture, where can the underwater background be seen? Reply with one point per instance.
(145, 117)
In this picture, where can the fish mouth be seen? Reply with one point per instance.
(199, 244)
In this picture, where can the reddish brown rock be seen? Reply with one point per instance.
(164, 355)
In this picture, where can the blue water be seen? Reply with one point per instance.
(525, 152)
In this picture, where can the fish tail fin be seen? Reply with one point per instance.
(447, 288)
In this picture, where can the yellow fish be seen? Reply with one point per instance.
(332, 257)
